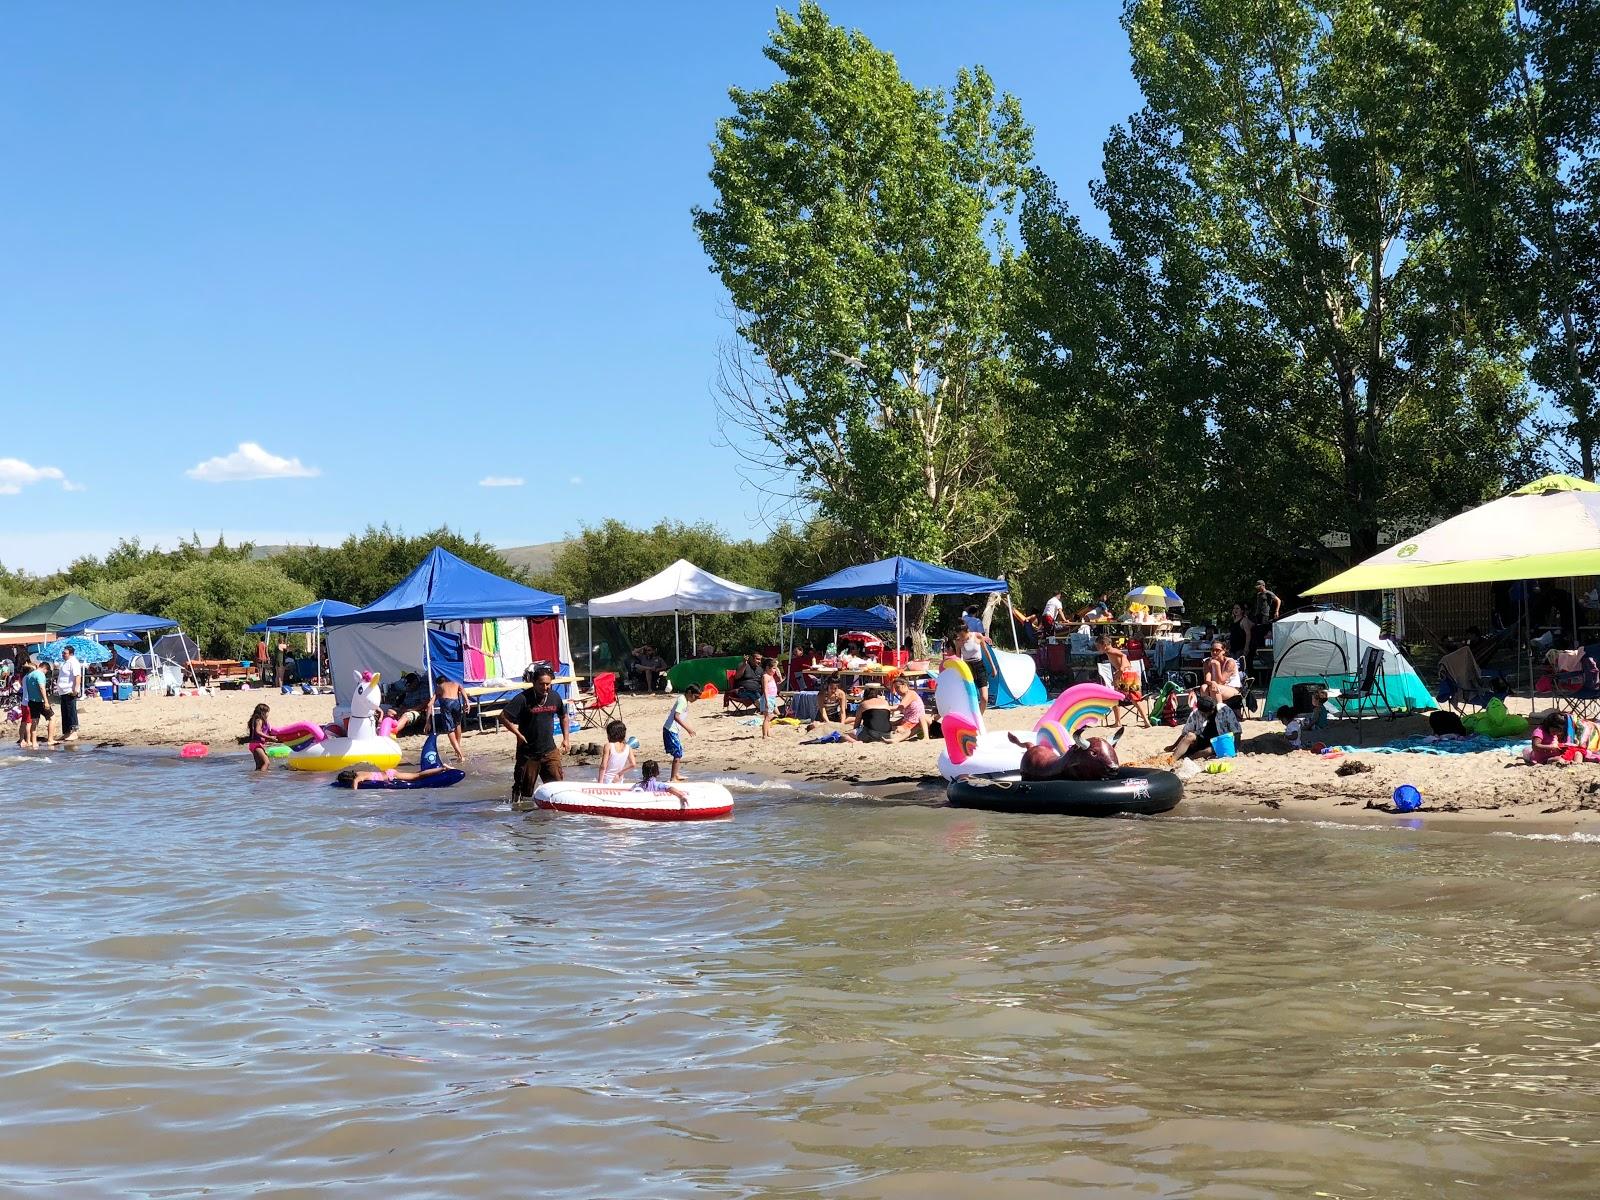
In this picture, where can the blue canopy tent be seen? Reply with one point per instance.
(420, 624)
(825, 616)
(118, 622)
(308, 618)
(128, 628)
(899, 577)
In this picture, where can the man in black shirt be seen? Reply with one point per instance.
(534, 718)
(1264, 611)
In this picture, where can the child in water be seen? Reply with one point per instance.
(352, 778)
(257, 734)
(617, 759)
(650, 781)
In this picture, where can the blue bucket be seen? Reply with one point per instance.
(1222, 745)
(1407, 798)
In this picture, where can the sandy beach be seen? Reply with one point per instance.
(1266, 779)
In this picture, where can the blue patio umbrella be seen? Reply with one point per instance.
(86, 649)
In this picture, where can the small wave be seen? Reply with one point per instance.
(1584, 838)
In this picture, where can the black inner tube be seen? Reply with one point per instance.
(1128, 790)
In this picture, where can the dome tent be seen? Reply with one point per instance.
(1324, 647)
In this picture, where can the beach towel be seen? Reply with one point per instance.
(826, 739)
(472, 638)
(1476, 744)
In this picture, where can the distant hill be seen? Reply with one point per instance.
(535, 559)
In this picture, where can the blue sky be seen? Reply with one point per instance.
(402, 248)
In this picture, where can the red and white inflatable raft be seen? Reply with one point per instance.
(706, 802)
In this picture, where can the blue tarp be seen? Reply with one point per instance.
(308, 618)
(445, 657)
(446, 588)
(898, 576)
(825, 616)
(119, 622)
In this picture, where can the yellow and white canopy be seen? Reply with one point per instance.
(1548, 529)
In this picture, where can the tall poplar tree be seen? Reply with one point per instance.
(1305, 169)
(859, 230)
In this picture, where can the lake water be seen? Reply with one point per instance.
(218, 984)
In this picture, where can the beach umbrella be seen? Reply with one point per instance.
(87, 649)
(1152, 596)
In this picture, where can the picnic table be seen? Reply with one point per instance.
(490, 699)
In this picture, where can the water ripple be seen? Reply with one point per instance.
(217, 984)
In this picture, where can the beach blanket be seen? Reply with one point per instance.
(826, 739)
(1476, 744)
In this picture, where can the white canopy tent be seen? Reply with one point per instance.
(682, 588)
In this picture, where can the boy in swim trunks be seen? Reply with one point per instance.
(669, 735)
(448, 707)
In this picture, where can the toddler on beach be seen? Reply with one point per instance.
(618, 758)
(669, 735)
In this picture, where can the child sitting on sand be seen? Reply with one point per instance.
(1295, 726)
(650, 781)
(1550, 743)
(617, 758)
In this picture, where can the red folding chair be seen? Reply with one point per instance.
(600, 705)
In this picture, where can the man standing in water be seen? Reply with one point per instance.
(68, 683)
(533, 719)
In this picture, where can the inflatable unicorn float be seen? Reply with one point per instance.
(971, 749)
(362, 740)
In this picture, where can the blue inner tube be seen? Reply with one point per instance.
(1130, 790)
(447, 779)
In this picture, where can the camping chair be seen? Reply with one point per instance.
(1460, 681)
(599, 705)
(1369, 685)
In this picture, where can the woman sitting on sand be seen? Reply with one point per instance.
(874, 719)
(831, 704)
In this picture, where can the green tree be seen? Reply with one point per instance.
(366, 565)
(1554, 202)
(212, 599)
(1305, 172)
(859, 229)
(612, 556)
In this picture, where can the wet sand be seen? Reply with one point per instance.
(1267, 779)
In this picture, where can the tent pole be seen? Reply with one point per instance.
(677, 641)
(694, 637)
(589, 654)
(1011, 618)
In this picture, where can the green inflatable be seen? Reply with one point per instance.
(1494, 721)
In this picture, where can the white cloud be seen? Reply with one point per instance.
(16, 475)
(501, 481)
(250, 461)
(576, 481)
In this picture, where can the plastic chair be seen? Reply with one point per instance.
(599, 705)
